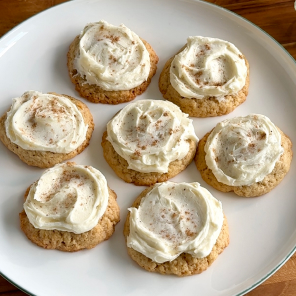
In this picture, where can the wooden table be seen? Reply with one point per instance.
(276, 17)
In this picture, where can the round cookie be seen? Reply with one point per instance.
(207, 106)
(46, 159)
(97, 94)
(69, 241)
(120, 165)
(149, 141)
(184, 264)
(270, 181)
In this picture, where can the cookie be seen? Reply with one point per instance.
(70, 241)
(184, 264)
(154, 148)
(263, 183)
(122, 68)
(197, 89)
(64, 123)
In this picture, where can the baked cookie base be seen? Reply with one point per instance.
(281, 168)
(205, 107)
(47, 159)
(96, 94)
(183, 265)
(120, 166)
(69, 241)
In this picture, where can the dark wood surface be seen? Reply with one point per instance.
(276, 17)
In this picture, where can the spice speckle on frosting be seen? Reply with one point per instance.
(151, 132)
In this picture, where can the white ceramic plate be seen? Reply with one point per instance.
(262, 230)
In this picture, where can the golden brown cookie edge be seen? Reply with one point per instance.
(69, 241)
(183, 265)
(47, 159)
(281, 168)
(96, 94)
(206, 107)
(120, 166)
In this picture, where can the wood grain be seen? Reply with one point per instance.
(276, 17)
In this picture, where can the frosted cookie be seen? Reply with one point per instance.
(247, 155)
(69, 208)
(46, 129)
(149, 141)
(176, 229)
(208, 77)
(110, 64)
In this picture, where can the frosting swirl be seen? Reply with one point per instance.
(243, 150)
(67, 197)
(149, 134)
(112, 57)
(208, 67)
(173, 219)
(45, 122)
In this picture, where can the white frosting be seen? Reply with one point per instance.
(173, 219)
(208, 67)
(243, 150)
(67, 197)
(45, 122)
(114, 58)
(149, 134)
